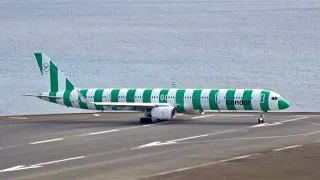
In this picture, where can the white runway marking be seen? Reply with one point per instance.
(203, 165)
(289, 147)
(62, 160)
(311, 123)
(96, 114)
(159, 143)
(45, 141)
(13, 125)
(116, 130)
(22, 167)
(278, 123)
(198, 117)
(253, 138)
(18, 118)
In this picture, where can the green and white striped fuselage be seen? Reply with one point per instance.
(188, 101)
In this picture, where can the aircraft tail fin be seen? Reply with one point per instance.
(55, 79)
(174, 85)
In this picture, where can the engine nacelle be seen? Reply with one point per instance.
(163, 112)
(194, 112)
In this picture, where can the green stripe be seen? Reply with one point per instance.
(115, 97)
(196, 99)
(98, 98)
(212, 100)
(180, 100)
(83, 105)
(163, 96)
(265, 106)
(53, 100)
(147, 95)
(230, 99)
(130, 95)
(39, 61)
(247, 97)
(53, 77)
(69, 85)
(66, 98)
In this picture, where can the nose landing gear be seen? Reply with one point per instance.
(261, 119)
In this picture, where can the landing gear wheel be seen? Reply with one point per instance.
(146, 120)
(261, 119)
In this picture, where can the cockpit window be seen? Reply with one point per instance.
(275, 98)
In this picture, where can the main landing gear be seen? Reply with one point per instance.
(146, 120)
(261, 119)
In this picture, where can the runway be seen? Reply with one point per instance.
(117, 146)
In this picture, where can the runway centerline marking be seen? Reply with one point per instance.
(288, 147)
(198, 117)
(45, 141)
(23, 167)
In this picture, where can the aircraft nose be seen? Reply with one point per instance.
(283, 104)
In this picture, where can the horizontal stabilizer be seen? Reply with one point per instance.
(42, 96)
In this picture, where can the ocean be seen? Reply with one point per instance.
(273, 45)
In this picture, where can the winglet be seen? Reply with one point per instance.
(83, 99)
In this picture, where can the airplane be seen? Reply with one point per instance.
(156, 103)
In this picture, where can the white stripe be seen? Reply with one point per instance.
(74, 98)
(155, 95)
(198, 117)
(289, 147)
(255, 101)
(204, 101)
(202, 165)
(45, 98)
(60, 94)
(222, 99)
(188, 99)
(171, 97)
(46, 75)
(139, 95)
(123, 95)
(50, 140)
(62, 160)
(61, 80)
(239, 97)
(90, 98)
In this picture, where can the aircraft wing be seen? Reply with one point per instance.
(123, 104)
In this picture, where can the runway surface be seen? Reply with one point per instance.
(117, 146)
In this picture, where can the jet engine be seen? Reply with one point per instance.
(163, 112)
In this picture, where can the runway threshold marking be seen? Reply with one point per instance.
(203, 165)
(23, 167)
(45, 141)
(288, 147)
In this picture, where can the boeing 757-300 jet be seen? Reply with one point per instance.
(156, 103)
